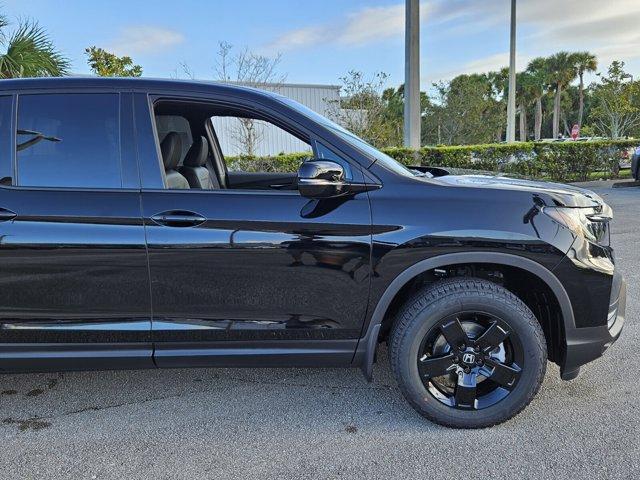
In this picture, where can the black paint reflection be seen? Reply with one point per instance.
(260, 265)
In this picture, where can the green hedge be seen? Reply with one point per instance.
(560, 161)
(279, 163)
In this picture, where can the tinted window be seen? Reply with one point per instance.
(69, 140)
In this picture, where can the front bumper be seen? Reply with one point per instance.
(586, 344)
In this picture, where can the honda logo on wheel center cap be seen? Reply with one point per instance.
(469, 358)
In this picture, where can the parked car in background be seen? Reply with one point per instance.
(128, 243)
(626, 157)
(635, 164)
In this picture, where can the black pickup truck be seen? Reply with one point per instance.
(130, 239)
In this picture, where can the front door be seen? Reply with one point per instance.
(257, 274)
(74, 286)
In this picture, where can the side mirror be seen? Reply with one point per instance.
(321, 179)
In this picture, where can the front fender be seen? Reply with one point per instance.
(367, 344)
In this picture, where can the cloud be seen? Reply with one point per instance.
(362, 27)
(609, 29)
(480, 65)
(144, 39)
(372, 24)
(486, 64)
(295, 39)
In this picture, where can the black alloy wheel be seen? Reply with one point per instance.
(467, 353)
(471, 360)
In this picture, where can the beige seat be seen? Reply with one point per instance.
(171, 149)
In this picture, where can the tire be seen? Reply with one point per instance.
(431, 320)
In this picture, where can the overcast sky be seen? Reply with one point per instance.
(320, 40)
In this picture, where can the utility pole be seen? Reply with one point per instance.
(412, 117)
(511, 105)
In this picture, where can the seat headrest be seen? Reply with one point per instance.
(197, 154)
(171, 149)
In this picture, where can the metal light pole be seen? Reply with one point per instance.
(412, 75)
(511, 105)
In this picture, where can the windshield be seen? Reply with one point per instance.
(350, 138)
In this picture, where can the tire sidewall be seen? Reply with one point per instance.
(427, 318)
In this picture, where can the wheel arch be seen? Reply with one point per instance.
(367, 344)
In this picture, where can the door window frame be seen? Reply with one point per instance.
(8, 142)
(249, 105)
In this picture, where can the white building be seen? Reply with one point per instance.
(272, 140)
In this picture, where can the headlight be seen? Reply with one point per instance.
(590, 223)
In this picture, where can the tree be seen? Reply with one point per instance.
(561, 71)
(368, 112)
(393, 100)
(616, 109)
(106, 64)
(537, 88)
(499, 82)
(254, 70)
(29, 52)
(183, 69)
(569, 106)
(584, 62)
(527, 89)
(467, 112)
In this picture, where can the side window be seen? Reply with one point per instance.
(252, 145)
(68, 140)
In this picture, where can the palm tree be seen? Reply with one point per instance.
(29, 52)
(528, 90)
(561, 71)
(498, 86)
(584, 62)
(499, 82)
(536, 87)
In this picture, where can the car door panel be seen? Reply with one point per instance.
(256, 268)
(74, 281)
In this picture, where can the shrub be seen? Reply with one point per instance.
(284, 162)
(560, 161)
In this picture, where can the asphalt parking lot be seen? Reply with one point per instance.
(234, 423)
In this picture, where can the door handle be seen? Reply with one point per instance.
(6, 215)
(178, 219)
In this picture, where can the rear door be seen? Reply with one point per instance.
(74, 286)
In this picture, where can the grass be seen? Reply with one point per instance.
(624, 173)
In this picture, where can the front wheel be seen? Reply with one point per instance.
(467, 353)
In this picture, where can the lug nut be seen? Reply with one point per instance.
(463, 346)
(476, 349)
(467, 370)
(456, 359)
(479, 361)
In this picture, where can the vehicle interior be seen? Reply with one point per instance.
(192, 154)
